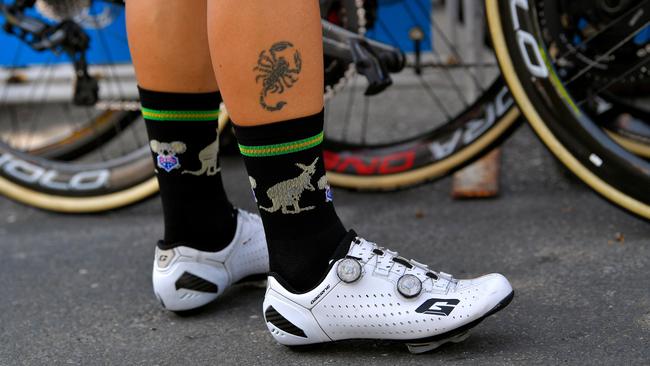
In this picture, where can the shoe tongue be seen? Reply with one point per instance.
(344, 246)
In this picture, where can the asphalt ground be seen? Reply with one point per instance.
(77, 289)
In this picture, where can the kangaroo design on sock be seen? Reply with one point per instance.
(288, 193)
(208, 158)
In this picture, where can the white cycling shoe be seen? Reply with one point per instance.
(373, 293)
(185, 278)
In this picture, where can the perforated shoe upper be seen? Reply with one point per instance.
(372, 307)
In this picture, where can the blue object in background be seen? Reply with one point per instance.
(643, 36)
(105, 25)
(108, 43)
(396, 18)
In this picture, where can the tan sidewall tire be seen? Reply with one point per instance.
(635, 147)
(429, 172)
(529, 111)
(100, 203)
(78, 204)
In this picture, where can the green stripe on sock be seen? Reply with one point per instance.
(158, 115)
(281, 149)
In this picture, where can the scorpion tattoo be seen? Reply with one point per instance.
(276, 73)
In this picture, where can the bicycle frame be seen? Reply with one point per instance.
(372, 59)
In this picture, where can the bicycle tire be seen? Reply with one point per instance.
(58, 203)
(55, 174)
(34, 186)
(433, 152)
(616, 174)
(377, 168)
(48, 184)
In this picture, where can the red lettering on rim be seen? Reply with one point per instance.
(358, 165)
(397, 162)
(388, 164)
(332, 159)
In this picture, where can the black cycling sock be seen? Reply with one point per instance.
(183, 136)
(286, 171)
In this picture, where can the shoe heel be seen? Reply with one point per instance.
(289, 323)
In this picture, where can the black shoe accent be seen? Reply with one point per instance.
(444, 309)
(464, 328)
(192, 282)
(403, 261)
(432, 275)
(272, 316)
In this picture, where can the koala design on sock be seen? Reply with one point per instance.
(253, 186)
(166, 154)
(287, 193)
(208, 159)
(324, 185)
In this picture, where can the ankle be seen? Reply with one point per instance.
(302, 265)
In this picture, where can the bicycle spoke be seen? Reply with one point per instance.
(454, 50)
(449, 77)
(101, 150)
(43, 100)
(5, 93)
(444, 70)
(364, 123)
(114, 79)
(605, 34)
(605, 55)
(15, 129)
(13, 66)
(386, 30)
(429, 90)
(644, 63)
(467, 65)
(136, 136)
(111, 62)
(348, 110)
(13, 111)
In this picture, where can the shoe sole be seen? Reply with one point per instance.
(422, 345)
(456, 335)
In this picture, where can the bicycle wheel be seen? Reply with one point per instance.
(626, 124)
(96, 157)
(622, 106)
(453, 107)
(556, 110)
(61, 156)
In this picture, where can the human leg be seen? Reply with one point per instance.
(325, 284)
(180, 100)
(270, 61)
